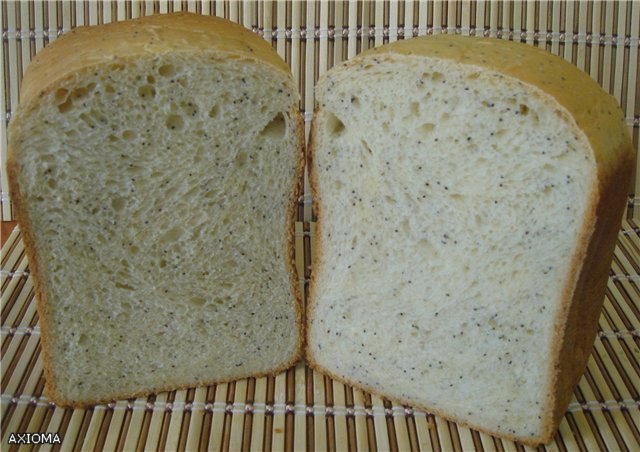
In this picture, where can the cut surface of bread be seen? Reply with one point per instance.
(155, 165)
(461, 203)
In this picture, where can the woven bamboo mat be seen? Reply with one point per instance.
(301, 409)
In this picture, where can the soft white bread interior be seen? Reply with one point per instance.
(468, 194)
(155, 165)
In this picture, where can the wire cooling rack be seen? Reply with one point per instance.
(302, 409)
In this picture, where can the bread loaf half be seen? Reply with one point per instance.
(155, 165)
(468, 194)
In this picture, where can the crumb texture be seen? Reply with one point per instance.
(158, 190)
(451, 201)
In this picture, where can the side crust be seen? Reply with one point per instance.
(576, 325)
(298, 186)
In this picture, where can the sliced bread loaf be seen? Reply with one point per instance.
(468, 194)
(155, 165)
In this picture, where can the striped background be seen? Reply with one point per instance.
(300, 409)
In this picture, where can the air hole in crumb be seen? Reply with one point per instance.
(84, 91)
(124, 286)
(334, 125)
(276, 127)
(425, 246)
(128, 135)
(61, 94)
(241, 159)
(214, 111)
(147, 91)
(355, 101)
(151, 79)
(135, 169)
(118, 203)
(437, 76)
(524, 109)
(167, 70)
(426, 128)
(366, 146)
(389, 199)
(52, 183)
(82, 339)
(171, 235)
(66, 105)
(175, 122)
(162, 263)
(415, 108)
(134, 249)
(197, 301)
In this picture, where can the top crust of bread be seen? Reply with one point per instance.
(597, 115)
(85, 48)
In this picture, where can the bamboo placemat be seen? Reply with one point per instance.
(600, 37)
(302, 409)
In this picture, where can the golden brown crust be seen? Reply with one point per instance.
(291, 242)
(150, 35)
(87, 47)
(317, 212)
(597, 115)
(577, 323)
(534, 441)
(62, 403)
(34, 267)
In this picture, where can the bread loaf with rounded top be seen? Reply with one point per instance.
(468, 194)
(155, 166)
